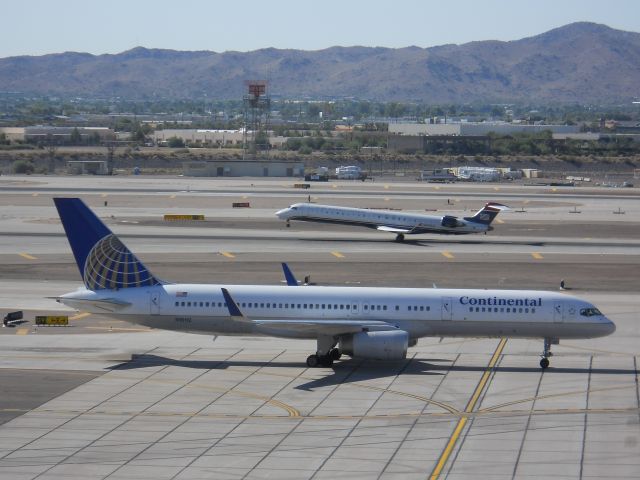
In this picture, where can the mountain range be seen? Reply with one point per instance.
(580, 62)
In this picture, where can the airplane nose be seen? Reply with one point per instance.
(282, 214)
(611, 327)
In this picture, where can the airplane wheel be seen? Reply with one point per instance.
(400, 237)
(326, 361)
(544, 363)
(312, 361)
(335, 354)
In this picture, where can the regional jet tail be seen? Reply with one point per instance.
(392, 221)
(362, 322)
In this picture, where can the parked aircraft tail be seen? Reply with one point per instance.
(103, 260)
(487, 214)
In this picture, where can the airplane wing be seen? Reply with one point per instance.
(325, 327)
(384, 228)
(310, 326)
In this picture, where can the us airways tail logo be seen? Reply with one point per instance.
(111, 265)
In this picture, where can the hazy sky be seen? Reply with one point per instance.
(37, 27)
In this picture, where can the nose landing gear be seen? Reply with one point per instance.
(544, 362)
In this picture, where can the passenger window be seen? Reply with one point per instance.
(262, 305)
(311, 306)
(305, 305)
(533, 310)
(182, 304)
(188, 304)
(206, 304)
(202, 304)
(471, 309)
(384, 307)
(421, 308)
(177, 303)
(397, 307)
(366, 307)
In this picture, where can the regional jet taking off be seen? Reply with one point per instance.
(363, 322)
(394, 221)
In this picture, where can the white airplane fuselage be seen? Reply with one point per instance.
(384, 220)
(420, 312)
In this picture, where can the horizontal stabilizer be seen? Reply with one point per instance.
(106, 304)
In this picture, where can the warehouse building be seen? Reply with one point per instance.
(243, 168)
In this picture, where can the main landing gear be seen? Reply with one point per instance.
(326, 353)
(400, 237)
(544, 362)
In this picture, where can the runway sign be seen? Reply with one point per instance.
(52, 321)
(172, 218)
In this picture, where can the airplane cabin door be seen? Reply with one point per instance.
(447, 308)
(154, 303)
(558, 311)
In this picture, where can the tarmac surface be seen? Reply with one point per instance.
(105, 399)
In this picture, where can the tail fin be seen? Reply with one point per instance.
(103, 260)
(486, 214)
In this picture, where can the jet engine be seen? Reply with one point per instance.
(383, 345)
(450, 221)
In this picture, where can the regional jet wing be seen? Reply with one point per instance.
(384, 228)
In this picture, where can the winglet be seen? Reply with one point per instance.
(234, 311)
(289, 276)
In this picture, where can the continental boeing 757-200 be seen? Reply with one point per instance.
(393, 221)
(363, 322)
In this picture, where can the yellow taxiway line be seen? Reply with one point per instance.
(22, 331)
(469, 409)
(448, 255)
(80, 316)
(228, 255)
(337, 254)
(537, 256)
(27, 256)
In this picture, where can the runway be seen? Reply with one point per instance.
(105, 399)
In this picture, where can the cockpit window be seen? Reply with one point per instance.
(590, 312)
(293, 208)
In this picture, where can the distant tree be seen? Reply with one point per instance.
(23, 167)
(175, 142)
(75, 138)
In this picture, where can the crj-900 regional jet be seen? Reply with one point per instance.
(364, 322)
(393, 221)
